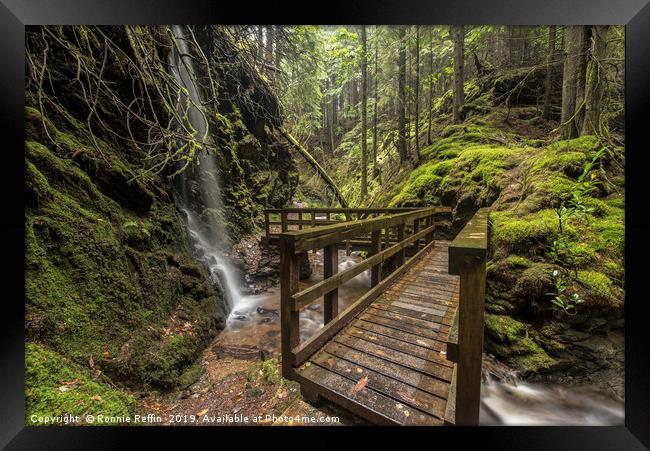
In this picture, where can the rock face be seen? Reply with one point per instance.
(109, 269)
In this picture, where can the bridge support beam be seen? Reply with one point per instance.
(289, 318)
(467, 258)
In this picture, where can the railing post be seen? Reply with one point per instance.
(267, 230)
(470, 339)
(400, 236)
(300, 220)
(467, 258)
(375, 248)
(283, 221)
(289, 318)
(416, 229)
(430, 222)
(330, 267)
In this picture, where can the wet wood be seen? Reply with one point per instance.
(396, 371)
(393, 388)
(437, 370)
(389, 352)
(377, 407)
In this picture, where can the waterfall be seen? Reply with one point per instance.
(198, 190)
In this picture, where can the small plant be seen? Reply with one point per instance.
(567, 303)
(565, 252)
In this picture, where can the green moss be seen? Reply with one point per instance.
(516, 261)
(56, 386)
(504, 328)
(597, 284)
(268, 371)
(534, 282)
(530, 233)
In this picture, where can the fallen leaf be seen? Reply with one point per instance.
(96, 398)
(307, 365)
(359, 370)
(91, 362)
(407, 397)
(72, 382)
(422, 343)
(362, 383)
(201, 413)
(407, 413)
(330, 362)
(64, 388)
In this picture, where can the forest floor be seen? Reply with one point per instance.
(232, 391)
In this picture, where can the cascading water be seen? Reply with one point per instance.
(198, 187)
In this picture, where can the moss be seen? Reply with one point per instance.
(516, 261)
(504, 328)
(534, 282)
(597, 284)
(528, 234)
(268, 371)
(509, 339)
(55, 386)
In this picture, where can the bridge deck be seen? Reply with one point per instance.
(389, 363)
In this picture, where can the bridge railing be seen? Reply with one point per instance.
(467, 258)
(390, 236)
(278, 220)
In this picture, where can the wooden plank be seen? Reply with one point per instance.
(398, 334)
(408, 376)
(450, 410)
(418, 308)
(437, 370)
(471, 241)
(386, 305)
(398, 391)
(399, 345)
(366, 401)
(424, 328)
(304, 350)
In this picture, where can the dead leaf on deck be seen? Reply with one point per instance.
(330, 362)
(362, 383)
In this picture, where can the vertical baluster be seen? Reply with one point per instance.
(375, 248)
(330, 268)
(283, 221)
(416, 229)
(400, 237)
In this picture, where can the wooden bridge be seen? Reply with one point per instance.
(408, 351)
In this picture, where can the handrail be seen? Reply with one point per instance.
(467, 258)
(293, 243)
(317, 238)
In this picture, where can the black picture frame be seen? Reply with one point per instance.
(634, 14)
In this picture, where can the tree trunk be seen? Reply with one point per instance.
(417, 94)
(458, 33)
(401, 117)
(260, 42)
(548, 82)
(429, 137)
(316, 166)
(595, 80)
(375, 108)
(269, 44)
(574, 43)
(364, 119)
